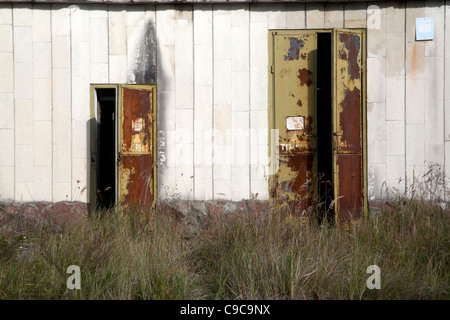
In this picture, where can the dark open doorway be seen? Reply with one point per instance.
(325, 125)
(106, 148)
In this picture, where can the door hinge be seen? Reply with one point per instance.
(272, 69)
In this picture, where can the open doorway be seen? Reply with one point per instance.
(106, 148)
(325, 126)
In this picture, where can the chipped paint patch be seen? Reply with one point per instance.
(294, 49)
(353, 45)
(305, 77)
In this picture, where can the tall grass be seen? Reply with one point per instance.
(126, 256)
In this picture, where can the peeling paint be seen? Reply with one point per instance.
(305, 77)
(294, 49)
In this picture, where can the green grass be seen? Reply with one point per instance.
(123, 256)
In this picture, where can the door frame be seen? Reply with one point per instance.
(273, 140)
(93, 138)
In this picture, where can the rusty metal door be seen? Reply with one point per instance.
(349, 125)
(135, 159)
(294, 55)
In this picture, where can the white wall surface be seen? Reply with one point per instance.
(212, 76)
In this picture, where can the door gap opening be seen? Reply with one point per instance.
(324, 127)
(106, 148)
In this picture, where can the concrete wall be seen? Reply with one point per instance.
(210, 64)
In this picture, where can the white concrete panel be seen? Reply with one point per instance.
(240, 89)
(6, 45)
(415, 144)
(7, 110)
(203, 24)
(166, 68)
(62, 163)
(447, 120)
(240, 181)
(395, 169)
(222, 189)
(23, 191)
(395, 97)
(7, 74)
(222, 82)
(166, 110)
(79, 20)
(98, 48)
(355, 11)
(61, 57)
(203, 65)
(414, 9)
(240, 48)
(240, 15)
(276, 16)
(23, 122)
(22, 14)
(118, 68)
(42, 143)
(61, 88)
(184, 50)
(165, 25)
(117, 30)
(98, 72)
(334, 15)
(259, 189)
(240, 138)
(80, 180)
(435, 153)
(259, 44)
(23, 80)
(415, 100)
(376, 88)
(62, 125)
(184, 84)
(42, 99)
(395, 138)
(42, 184)
(5, 13)
(80, 59)
(296, 16)
(258, 12)
(395, 13)
(41, 24)
(315, 15)
(60, 20)
(376, 43)
(80, 143)
(7, 147)
(203, 125)
(24, 163)
(80, 98)
(42, 60)
(395, 53)
(203, 183)
(376, 188)
(61, 191)
(376, 133)
(6, 182)
(222, 36)
(184, 122)
(435, 48)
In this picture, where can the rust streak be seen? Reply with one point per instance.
(349, 121)
(352, 44)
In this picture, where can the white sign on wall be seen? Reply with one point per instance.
(424, 29)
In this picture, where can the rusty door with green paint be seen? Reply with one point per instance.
(294, 55)
(349, 125)
(294, 113)
(136, 141)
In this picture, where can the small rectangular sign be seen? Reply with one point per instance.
(424, 29)
(295, 123)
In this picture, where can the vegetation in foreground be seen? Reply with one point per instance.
(123, 256)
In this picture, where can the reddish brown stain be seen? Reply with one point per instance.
(305, 77)
(137, 104)
(299, 102)
(352, 44)
(139, 181)
(350, 122)
(350, 187)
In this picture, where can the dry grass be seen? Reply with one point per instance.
(137, 255)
